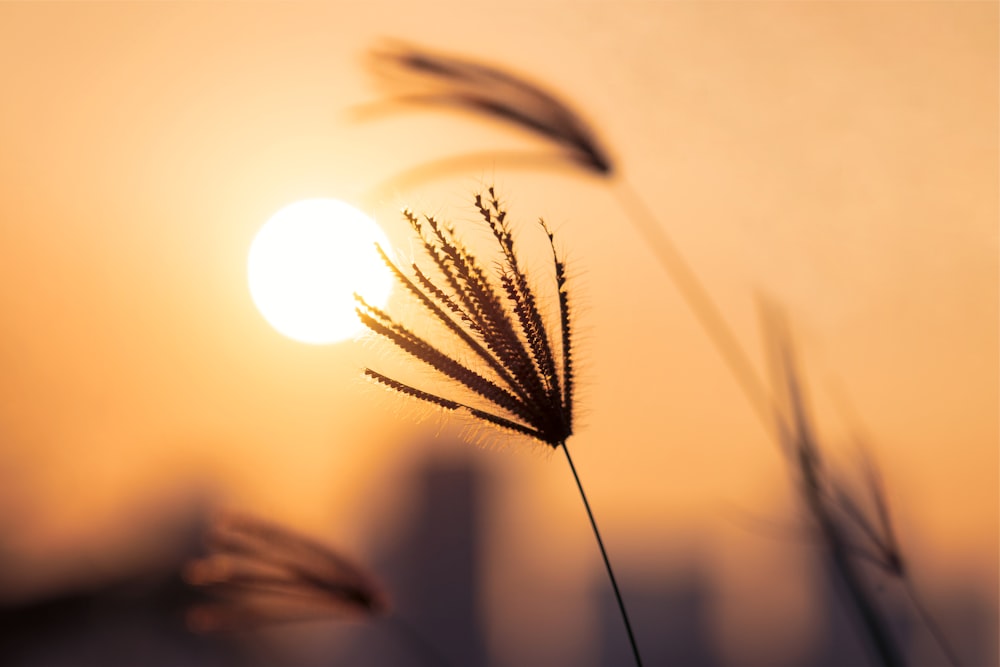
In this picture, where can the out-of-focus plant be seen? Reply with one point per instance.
(853, 528)
(259, 573)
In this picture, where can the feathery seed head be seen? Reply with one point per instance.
(525, 379)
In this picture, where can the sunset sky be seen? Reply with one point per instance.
(839, 159)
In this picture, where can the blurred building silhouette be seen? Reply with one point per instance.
(673, 621)
(133, 618)
(671, 618)
(433, 569)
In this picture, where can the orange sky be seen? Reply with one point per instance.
(838, 157)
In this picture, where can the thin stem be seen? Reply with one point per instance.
(604, 555)
(700, 303)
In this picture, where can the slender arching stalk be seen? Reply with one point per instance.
(604, 555)
(699, 302)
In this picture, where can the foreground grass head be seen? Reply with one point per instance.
(526, 377)
(527, 374)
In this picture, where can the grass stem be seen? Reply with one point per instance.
(604, 555)
(698, 301)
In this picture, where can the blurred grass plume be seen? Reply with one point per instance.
(422, 78)
(260, 573)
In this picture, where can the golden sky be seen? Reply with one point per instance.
(839, 158)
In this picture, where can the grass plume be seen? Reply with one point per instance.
(423, 78)
(526, 381)
(262, 573)
(526, 371)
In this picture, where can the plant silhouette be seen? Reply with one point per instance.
(527, 374)
(419, 77)
(261, 573)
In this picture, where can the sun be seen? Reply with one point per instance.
(306, 263)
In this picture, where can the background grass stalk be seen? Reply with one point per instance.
(860, 596)
(698, 301)
(604, 555)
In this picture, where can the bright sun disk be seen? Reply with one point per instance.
(306, 263)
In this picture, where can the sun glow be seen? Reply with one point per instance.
(306, 263)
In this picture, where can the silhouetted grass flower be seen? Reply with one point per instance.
(526, 379)
(261, 573)
(526, 374)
